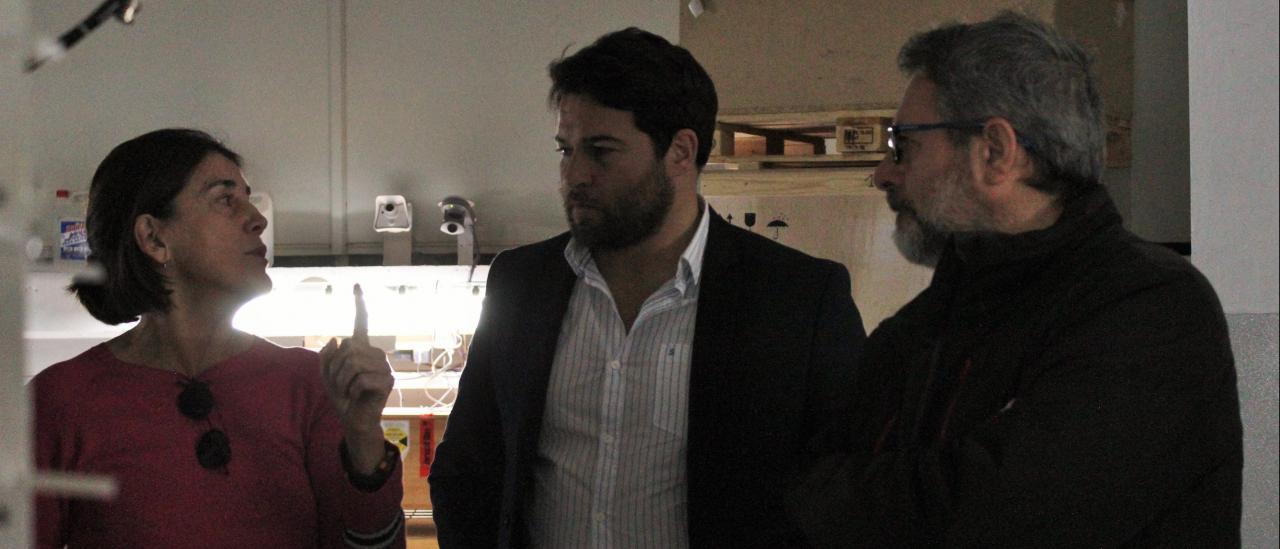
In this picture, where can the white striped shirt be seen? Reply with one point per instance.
(610, 470)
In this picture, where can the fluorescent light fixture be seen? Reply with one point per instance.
(402, 301)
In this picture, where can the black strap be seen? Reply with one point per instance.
(374, 481)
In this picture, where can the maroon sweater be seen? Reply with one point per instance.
(284, 486)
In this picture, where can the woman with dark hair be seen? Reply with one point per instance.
(216, 438)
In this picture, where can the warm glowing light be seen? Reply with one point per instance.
(402, 301)
(429, 311)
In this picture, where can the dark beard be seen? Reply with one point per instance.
(631, 218)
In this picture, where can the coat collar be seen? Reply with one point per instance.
(980, 270)
(1082, 215)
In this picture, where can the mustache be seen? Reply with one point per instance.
(898, 204)
(579, 197)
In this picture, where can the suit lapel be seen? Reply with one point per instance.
(547, 303)
(716, 328)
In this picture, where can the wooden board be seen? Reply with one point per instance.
(854, 229)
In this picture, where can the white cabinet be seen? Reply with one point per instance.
(254, 73)
(333, 103)
(450, 98)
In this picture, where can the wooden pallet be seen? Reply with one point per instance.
(790, 141)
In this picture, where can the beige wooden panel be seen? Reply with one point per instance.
(797, 182)
(853, 229)
(766, 55)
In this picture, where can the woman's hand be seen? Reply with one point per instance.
(358, 380)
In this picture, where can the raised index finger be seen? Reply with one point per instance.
(361, 331)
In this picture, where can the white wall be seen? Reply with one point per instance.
(332, 103)
(252, 73)
(1232, 84)
(450, 98)
(1233, 125)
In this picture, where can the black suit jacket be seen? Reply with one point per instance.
(776, 340)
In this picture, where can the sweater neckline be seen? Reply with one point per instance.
(1082, 216)
(979, 272)
(102, 351)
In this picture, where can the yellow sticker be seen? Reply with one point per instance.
(397, 432)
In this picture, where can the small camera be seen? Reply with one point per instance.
(458, 215)
(392, 214)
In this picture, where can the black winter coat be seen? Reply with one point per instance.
(1070, 387)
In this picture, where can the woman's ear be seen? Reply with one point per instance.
(682, 154)
(146, 233)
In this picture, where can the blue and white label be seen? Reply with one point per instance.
(74, 243)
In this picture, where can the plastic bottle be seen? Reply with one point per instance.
(71, 247)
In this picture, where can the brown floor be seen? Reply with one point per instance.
(421, 534)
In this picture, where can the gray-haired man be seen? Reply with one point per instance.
(1060, 382)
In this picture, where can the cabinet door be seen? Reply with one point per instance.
(450, 98)
(254, 73)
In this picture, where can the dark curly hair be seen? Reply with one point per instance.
(659, 83)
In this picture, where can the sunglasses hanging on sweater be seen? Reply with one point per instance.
(213, 450)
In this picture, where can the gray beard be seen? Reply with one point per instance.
(920, 242)
(921, 238)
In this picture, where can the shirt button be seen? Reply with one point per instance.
(607, 438)
(599, 517)
(614, 365)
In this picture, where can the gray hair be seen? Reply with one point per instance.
(1020, 69)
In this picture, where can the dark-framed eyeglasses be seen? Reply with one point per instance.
(213, 450)
(896, 151)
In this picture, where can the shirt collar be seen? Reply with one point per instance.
(688, 272)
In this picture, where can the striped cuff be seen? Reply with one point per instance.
(377, 540)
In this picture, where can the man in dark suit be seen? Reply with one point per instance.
(655, 377)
